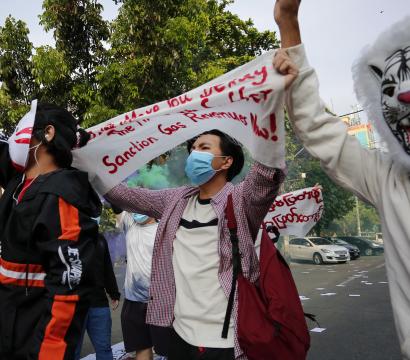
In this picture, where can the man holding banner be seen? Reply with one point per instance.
(191, 268)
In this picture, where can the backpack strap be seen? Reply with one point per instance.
(236, 262)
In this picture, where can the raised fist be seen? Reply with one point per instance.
(286, 10)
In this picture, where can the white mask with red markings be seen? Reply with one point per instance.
(382, 84)
(19, 141)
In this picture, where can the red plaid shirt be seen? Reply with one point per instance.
(251, 199)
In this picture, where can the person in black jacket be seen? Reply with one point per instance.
(98, 322)
(48, 238)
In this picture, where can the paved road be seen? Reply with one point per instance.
(359, 327)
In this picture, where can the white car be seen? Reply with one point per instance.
(317, 249)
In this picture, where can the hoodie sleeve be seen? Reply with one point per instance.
(7, 170)
(325, 136)
(65, 237)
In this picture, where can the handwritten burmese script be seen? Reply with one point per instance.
(297, 212)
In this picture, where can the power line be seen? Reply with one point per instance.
(352, 113)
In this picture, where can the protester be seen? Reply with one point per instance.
(47, 237)
(192, 257)
(139, 337)
(98, 322)
(382, 85)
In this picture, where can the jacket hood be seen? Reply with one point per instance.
(73, 186)
(381, 78)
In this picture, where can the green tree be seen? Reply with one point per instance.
(15, 65)
(17, 83)
(152, 51)
(80, 33)
(52, 74)
(338, 202)
(162, 49)
(347, 225)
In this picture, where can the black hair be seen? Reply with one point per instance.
(67, 135)
(229, 147)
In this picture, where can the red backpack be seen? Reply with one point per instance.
(271, 322)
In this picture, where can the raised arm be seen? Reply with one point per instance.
(258, 191)
(140, 200)
(323, 135)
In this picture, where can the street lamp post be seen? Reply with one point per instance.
(359, 228)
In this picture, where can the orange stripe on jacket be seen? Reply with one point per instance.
(33, 268)
(54, 346)
(70, 221)
(5, 280)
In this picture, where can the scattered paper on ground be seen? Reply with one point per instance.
(302, 297)
(119, 353)
(320, 288)
(328, 294)
(318, 330)
(354, 295)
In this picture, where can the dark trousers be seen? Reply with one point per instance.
(181, 350)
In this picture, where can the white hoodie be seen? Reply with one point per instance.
(369, 174)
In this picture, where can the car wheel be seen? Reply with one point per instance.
(317, 259)
(368, 252)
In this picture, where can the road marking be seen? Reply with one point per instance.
(351, 278)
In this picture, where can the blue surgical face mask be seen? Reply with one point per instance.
(140, 218)
(199, 168)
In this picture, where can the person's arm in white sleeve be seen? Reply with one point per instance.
(323, 135)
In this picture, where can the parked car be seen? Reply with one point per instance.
(317, 249)
(367, 247)
(354, 251)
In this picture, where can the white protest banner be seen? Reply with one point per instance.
(296, 213)
(246, 103)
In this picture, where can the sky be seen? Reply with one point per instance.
(334, 32)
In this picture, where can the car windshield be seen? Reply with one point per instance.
(320, 241)
(341, 242)
(369, 242)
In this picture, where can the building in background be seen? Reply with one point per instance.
(362, 130)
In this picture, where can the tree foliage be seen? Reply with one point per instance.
(347, 225)
(152, 51)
